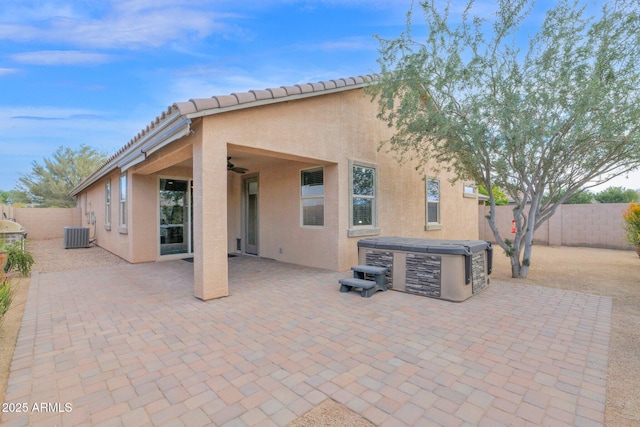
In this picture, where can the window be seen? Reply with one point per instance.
(312, 196)
(469, 190)
(107, 205)
(433, 202)
(123, 203)
(363, 219)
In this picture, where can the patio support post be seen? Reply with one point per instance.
(211, 279)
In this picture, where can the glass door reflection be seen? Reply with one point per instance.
(175, 216)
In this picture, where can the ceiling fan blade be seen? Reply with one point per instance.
(233, 168)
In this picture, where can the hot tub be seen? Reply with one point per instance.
(453, 270)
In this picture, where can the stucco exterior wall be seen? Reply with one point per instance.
(93, 202)
(331, 130)
(281, 140)
(598, 225)
(143, 223)
(281, 235)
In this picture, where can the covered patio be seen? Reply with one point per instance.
(242, 200)
(129, 345)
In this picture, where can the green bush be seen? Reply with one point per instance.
(499, 196)
(18, 259)
(6, 295)
(617, 195)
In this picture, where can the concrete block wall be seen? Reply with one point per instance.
(44, 223)
(596, 225)
(6, 211)
(591, 225)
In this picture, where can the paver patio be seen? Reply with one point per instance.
(129, 345)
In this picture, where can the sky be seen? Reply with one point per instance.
(89, 72)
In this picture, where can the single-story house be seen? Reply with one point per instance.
(292, 173)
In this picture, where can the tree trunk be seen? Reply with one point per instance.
(515, 267)
(521, 255)
(520, 265)
(526, 257)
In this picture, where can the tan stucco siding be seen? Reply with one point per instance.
(327, 128)
(143, 223)
(109, 238)
(278, 141)
(210, 269)
(333, 129)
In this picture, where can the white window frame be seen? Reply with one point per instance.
(470, 190)
(87, 218)
(433, 225)
(107, 205)
(368, 229)
(123, 195)
(311, 197)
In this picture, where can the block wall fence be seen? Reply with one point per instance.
(44, 223)
(598, 225)
(594, 225)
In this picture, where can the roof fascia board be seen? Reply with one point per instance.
(174, 128)
(270, 101)
(167, 131)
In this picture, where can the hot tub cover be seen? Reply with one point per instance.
(434, 246)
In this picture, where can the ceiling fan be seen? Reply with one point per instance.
(231, 167)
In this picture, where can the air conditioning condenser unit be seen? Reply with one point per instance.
(76, 237)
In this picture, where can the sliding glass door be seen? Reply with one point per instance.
(175, 217)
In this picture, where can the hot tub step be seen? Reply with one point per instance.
(369, 269)
(369, 287)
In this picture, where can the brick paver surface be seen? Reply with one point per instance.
(130, 345)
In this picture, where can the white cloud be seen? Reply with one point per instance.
(8, 71)
(630, 180)
(348, 44)
(136, 24)
(205, 82)
(119, 24)
(61, 57)
(32, 129)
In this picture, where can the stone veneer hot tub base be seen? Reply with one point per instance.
(452, 270)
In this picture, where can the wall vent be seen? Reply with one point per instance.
(76, 237)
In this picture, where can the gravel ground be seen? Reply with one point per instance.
(595, 271)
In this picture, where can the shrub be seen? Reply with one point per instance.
(19, 259)
(6, 295)
(632, 223)
(500, 197)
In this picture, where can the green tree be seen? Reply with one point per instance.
(501, 199)
(580, 197)
(49, 185)
(555, 116)
(14, 198)
(617, 195)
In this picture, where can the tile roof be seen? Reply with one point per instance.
(218, 104)
(245, 99)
